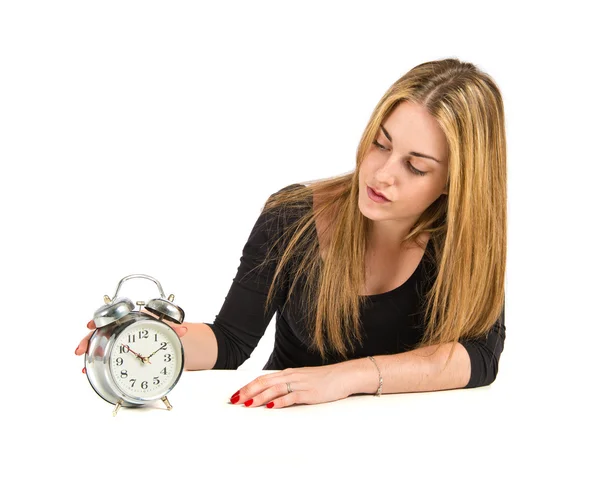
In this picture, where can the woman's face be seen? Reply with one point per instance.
(394, 167)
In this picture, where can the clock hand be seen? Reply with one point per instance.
(136, 354)
(155, 352)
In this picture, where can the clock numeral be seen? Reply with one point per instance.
(144, 384)
(124, 349)
(131, 338)
(143, 334)
(156, 381)
(156, 337)
(167, 357)
(123, 373)
(163, 345)
(133, 380)
(119, 361)
(164, 371)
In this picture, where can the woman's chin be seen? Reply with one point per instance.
(370, 213)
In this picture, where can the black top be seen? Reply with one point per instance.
(392, 321)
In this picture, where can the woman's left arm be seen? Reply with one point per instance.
(474, 363)
(419, 370)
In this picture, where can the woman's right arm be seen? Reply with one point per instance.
(199, 344)
(231, 338)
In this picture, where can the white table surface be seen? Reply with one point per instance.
(487, 432)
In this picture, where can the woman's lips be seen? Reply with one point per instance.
(375, 196)
(379, 193)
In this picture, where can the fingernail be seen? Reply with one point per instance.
(270, 405)
(83, 370)
(76, 349)
(185, 329)
(248, 402)
(235, 399)
(236, 393)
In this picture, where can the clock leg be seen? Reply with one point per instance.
(166, 401)
(117, 408)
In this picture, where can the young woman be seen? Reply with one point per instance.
(388, 279)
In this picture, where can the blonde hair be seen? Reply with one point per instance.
(467, 227)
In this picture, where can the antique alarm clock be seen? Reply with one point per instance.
(134, 358)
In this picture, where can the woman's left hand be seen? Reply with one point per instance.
(309, 385)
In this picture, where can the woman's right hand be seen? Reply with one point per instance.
(83, 345)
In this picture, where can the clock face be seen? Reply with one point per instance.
(146, 359)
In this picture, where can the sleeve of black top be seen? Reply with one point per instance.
(242, 322)
(485, 354)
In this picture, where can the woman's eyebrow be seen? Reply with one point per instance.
(416, 154)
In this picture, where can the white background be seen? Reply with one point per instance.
(144, 137)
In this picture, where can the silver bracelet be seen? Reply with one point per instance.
(378, 393)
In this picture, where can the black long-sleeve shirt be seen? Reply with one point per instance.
(391, 322)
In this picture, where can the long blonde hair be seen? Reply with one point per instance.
(467, 227)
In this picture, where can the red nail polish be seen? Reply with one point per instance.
(270, 405)
(235, 399)
(236, 393)
(248, 402)
(83, 370)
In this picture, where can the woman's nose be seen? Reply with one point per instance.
(387, 173)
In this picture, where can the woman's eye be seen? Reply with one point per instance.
(410, 167)
(378, 145)
(414, 170)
